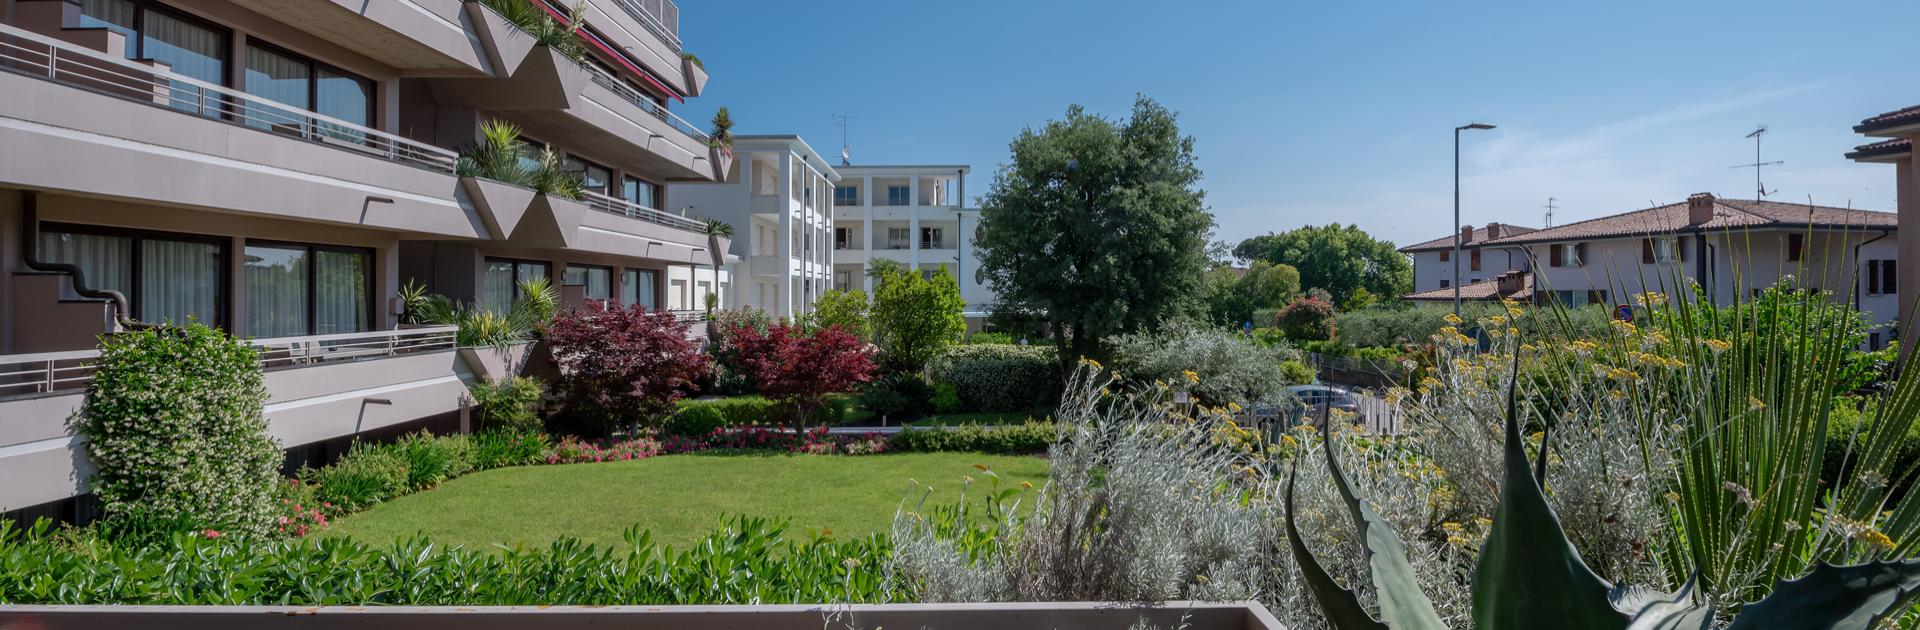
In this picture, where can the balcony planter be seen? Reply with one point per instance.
(501, 206)
(696, 76)
(722, 158)
(717, 246)
(1001, 616)
(492, 364)
(550, 222)
(542, 79)
(506, 45)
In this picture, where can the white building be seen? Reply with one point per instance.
(913, 215)
(778, 200)
(1433, 260)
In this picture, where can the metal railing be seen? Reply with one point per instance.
(660, 17)
(31, 54)
(622, 207)
(689, 315)
(633, 95)
(53, 372)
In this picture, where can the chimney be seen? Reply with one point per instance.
(1466, 234)
(1699, 208)
(1509, 282)
(1493, 231)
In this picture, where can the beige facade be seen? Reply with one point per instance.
(279, 168)
(1898, 132)
(914, 215)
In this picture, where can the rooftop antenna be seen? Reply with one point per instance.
(1758, 187)
(1550, 206)
(846, 150)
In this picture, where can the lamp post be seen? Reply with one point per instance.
(1456, 210)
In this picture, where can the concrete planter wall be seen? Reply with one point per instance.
(489, 364)
(717, 246)
(696, 76)
(1004, 616)
(722, 159)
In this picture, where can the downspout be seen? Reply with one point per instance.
(1700, 266)
(30, 255)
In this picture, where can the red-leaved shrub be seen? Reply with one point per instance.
(621, 366)
(799, 368)
(1306, 319)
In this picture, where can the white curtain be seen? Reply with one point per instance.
(107, 261)
(179, 281)
(340, 292)
(637, 286)
(281, 79)
(496, 286)
(190, 49)
(276, 291)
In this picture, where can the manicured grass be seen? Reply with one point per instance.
(680, 498)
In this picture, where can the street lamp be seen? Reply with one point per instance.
(1456, 210)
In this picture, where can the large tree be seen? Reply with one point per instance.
(1239, 295)
(1097, 225)
(915, 316)
(1337, 258)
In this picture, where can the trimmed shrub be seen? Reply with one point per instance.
(1306, 318)
(174, 427)
(1019, 439)
(984, 337)
(510, 404)
(622, 367)
(367, 475)
(898, 396)
(740, 411)
(696, 421)
(946, 399)
(994, 377)
(1216, 365)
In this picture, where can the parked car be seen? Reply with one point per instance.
(1313, 403)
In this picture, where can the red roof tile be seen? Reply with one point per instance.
(1479, 236)
(1478, 291)
(1727, 214)
(1884, 148)
(1889, 120)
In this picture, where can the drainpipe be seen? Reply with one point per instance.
(30, 255)
(1702, 252)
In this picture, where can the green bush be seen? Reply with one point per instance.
(175, 430)
(1306, 318)
(510, 404)
(897, 396)
(433, 460)
(367, 475)
(1298, 373)
(946, 399)
(746, 561)
(1017, 439)
(984, 337)
(1217, 365)
(740, 411)
(695, 421)
(498, 449)
(998, 377)
(1847, 425)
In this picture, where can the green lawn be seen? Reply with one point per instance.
(679, 497)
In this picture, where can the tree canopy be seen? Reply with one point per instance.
(1098, 225)
(915, 316)
(1338, 258)
(1235, 296)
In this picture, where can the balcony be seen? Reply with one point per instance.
(71, 114)
(649, 31)
(425, 37)
(619, 227)
(318, 387)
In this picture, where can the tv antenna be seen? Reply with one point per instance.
(1758, 187)
(1550, 207)
(846, 150)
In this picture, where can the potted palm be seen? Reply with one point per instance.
(720, 143)
(719, 238)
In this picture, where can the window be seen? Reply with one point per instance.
(293, 289)
(1446, 284)
(846, 238)
(1566, 255)
(1666, 250)
(931, 238)
(1446, 255)
(846, 195)
(165, 277)
(1597, 296)
(500, 281)
(597, 282)
(640, 286)
(843, 280)
(593, 177)
(897, 238)
(898, 196)
(188, 45)
(1796, 243)
(304, 84)
(1565, 298)
(1882, 277)
(640, 192)
(1475, 259)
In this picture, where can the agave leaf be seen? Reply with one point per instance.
(1653, 610)
(1528, 575)
(1853, 597)
(1402, 603)
(1339, 606)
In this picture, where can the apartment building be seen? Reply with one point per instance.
(1433, 260)
(278, 168)
(1728, 246)
(1900, 130)
(778, 198)
(912, 215)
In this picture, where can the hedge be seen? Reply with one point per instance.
(996, 377)
(1017, 439)
(757, 411)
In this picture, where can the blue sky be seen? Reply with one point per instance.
(1315, 112)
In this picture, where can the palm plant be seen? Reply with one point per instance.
(552, 177)
(722, 128)
(534, 20)
(716, 227)
(499, 156)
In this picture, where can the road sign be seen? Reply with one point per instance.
(1623, 312)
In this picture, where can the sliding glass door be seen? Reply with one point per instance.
(293, 290)
(167, 278)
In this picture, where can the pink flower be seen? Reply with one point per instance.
(210, 534)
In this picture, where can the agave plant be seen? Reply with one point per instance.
(1528, 575)
(551, 177)
(716, 227)
(562, 38)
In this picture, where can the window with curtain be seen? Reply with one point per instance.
(294, 290)
(639, 286)
(500, 281)
(306, 85)
(639, 192)
(165, 279)
(596, 282)
(187, 45)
